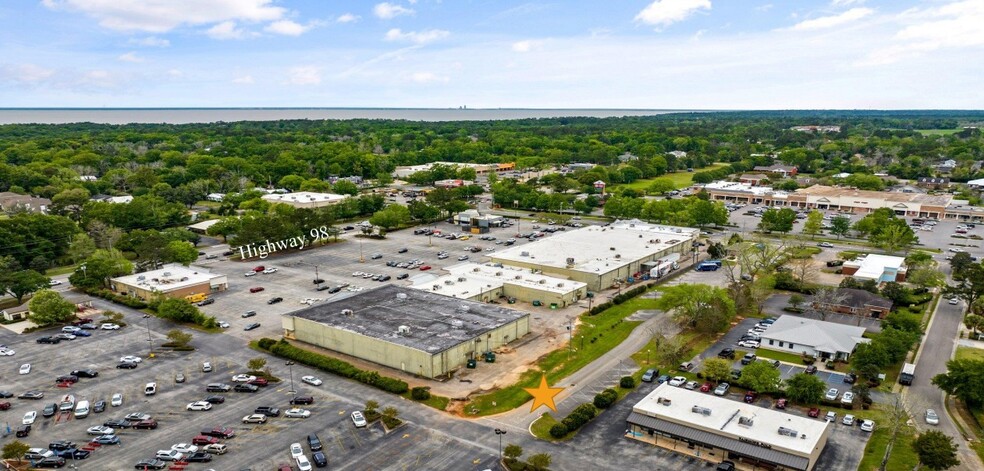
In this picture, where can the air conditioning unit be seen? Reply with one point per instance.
(543, 282)
(518, 277)
(560, 285)
(347, 312)
(403, 329)
(618, 255)
(476, 269)
(498, 273)
(461, 278)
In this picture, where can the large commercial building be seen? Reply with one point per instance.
(602, 256)
(418, 332)
(175, 281)
(305, 199)
(484, 283)
(480, 169)
(716, 429)
(881, 268)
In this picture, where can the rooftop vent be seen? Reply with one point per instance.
(403, 329)
(543, 282)
(348, 312)
(436, 287)
(498, 273)
(461, 278)
(788, 432)
(141, 278)
(611, 248)
(618, 255)
(401, 296)
(476, 269)
(167, 273)
(519, 277)
(700, 410)
(560, 285)
(746, 421)
(527, 254)
(664, 401)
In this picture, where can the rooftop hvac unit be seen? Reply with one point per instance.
(435, 287)
(347, 312)
(560, 285)
(167, 273)
(746, 421)
(403, 329)
(449, 282)
(184, 278)
(788, 432)
(518, 277)
(461, 278)
(141, 278)
(700, 410)
(543, 282)
(664, 401)
(618, 255)
(401, 296)
(524, 254)
(498, 273)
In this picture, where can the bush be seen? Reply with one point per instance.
(605, 399)
(335, 366)
(627, 382)
(581, 415)
(558, 431)
(420, 393)
(266, 343)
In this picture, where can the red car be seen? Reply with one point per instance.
(814, 412)
(706, 387)
(284, 467)
(781, 404)
(256, 289)
(203, 440)
(750, 396)
(259, 268)
(260, 382)
(4, 405)
(425, 268)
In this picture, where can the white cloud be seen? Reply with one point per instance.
(845, 3)
(150, 41)
(226, 30)
(130, 57)
(388, 11)
(421, 37)
(245, 79)
(663, 13)
(287, 28)
(824, 22)
(347, 18)
(522, 46)
(427, 77)
(304, 75)
(951, 26)
(25, 74)
(158, 16)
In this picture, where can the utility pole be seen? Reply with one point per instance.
(150, 340)
(290, 367)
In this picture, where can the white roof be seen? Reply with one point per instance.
(978, 182)
(466, 280)
(745, 188)
(821, 335)
(725, 417)
(204, 225)
(304, 197)
(873, 266)
(598, 249)
(169, 278)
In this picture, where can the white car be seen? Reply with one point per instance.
(184, 448)
(241, 378)
(100, 430)
(302, 463)
(296, 450)
(269, 271)
(54, 283)
(312, 380)
(169, 455)
(847, 398)
(130, 359)
(954, 301)
(200, 405)
(6, 352)
(223, 324)
(956, 249)
(867, 425)
(678, 381)
(250, 273)
(931, 417)
(297, 413)
(25, 369)
(30, 417)
(255, 419)
(358, 419)
(748, 344)
(831, 394)
(357, 273)
(691, 385)
(117, 400)
(109, 326)
(848, 420)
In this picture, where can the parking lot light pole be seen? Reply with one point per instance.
(150, 340)
(500, 433)
(290, 368)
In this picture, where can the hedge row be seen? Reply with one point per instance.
(619, 299)
(128, 301)
(333, 366)
(581, 415)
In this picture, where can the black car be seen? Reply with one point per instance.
(49, 410)
(218, 387)
(128, 365)
(99, 406)
(215, 399)
(24, 430)
(67, 379)
(302, 400)
(228, 253)
(87, 373)
(205, 302)
(49, 340)
(850, 378)
(318, 281)
(61, 445)
(385, 278)
(314, 442)
(252, 326)
(150, 464)
(334, 290)
(74, 454)
(403, 250)
(32, 395)
(322, 287)
(319, 459)
(246, 388)
(117, 423)
(727, 353)
(275, 300)
(267, 411)
(51, 462)
(6, 394)
(402, 276)
(811, 370)
(198, 457)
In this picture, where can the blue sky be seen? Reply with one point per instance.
(690, 54)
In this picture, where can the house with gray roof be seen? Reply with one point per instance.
(824, 340)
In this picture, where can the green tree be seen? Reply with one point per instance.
(178, 310)
(225, 227)
(936, 450)
(840, 226)
(813, 224)
(345, 187)
(707, 308)
(22, 283)
(15, 450)
(965, 379)
(968, 284)
(926, 278)
(179, 251)
(512, 451)
(960, 262)
(179, 337)
(703, 213)
(869, 359)
(716, 369)
(804, 388)
(974, 322)
(82, 247)
(873, 221)
(540, 461)
(392, 216)
(256, 364)
(48, 307)
(390, 412)
(102, 265)
(660, 185)
(796, 300)
(70, 202)
(761, 376)
(371, 406)
(893, 237)
(863, 181)
(421, 211)
(777, 220)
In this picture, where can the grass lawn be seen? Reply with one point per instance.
(969, 353)
(438, 402)
(60, 270)
(781, 356)
(541, 428)
(938, 132)
(902, 457)
(680, 179)
(648, 358)
(803, 252)
(600, 334)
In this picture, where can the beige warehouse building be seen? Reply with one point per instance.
(305, 199)
(175, 281)
(409, 330)
(488, 282)
(602, 256)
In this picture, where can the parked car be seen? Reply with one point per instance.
(678, 381)
(811, 370)
(650, 375)
(251, 326)
(847, 398)
(358, 419)
(814, 412)
(781, 404)
(312, 380)
(722, 389)
(750, 397)
(728, 353)
(748, 358)
(706, 387)
(848, 420)
(826, 245)
(256, 289)
(255, 419)
(275, 300)
(832, 394)
(867, 425)
(297, 400)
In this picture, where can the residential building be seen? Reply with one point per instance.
(215, 197)
(935, 183)
(627, 157)
(815, 128)
(489, 282)
(112, 199)
(173, 280)
(881, 268)
(18, 313)
(305, 199)
(821, 339)
(778, 169)
(754, 179)
(10, 201)
(858, 302)
(414, 331)
(716, 429)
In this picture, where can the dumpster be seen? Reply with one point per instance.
(471, 363)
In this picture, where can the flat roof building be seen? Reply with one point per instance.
(716, 429)
(484, 283)
(881, 268)
(305, 199)
(174, 280)
(821, 339)
(414, 331)
(601, 256)
(480, 169)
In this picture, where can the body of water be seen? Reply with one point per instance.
(211, 115)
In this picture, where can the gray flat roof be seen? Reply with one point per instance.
(436, 323)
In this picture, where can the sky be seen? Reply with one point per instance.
(637, 54)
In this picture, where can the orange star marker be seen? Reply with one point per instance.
(543, 395)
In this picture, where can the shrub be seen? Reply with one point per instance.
(266, 343)
(335, 366)
(605, 399)
(627, 382)
(420, 393)
(558, 430)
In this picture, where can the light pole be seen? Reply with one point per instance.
(290, 368)
(150, 340)
(500, 433)
(362, 258)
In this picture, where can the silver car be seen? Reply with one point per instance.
(931, 417)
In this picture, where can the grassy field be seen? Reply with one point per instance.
(969, 353)
(435, 401)
(679, 179)
(541, 428)
(938, 132)
(781, 356)
(60, 270)
(902, 457)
